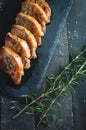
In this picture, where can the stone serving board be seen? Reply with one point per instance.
(33, 78)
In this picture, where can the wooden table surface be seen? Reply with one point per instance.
(73, 115)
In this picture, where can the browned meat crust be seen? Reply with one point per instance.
(44, 5)
(25, 34)
(11, 64)
(37, 12)
(20, 47)
(31, 24)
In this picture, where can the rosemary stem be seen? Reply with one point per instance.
(45, 113)
(68, 65)
(63, 88)
(20, 112)
(31, 103)
(62, 91)
(53, 101)
(41, 96)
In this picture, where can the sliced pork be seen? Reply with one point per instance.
(44, 5)
(11, 64)
(35, 11)
(20, 47)
(31, 24)
(25, 34)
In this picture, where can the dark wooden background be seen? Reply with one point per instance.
(73, 116)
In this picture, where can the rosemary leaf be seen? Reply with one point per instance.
(58, 85)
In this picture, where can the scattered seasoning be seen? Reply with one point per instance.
(26, 35)
(9, 64)
(84, 101)
(76, 22)
(26, 12)
(22, 20)
(83, 37)
(17, 37)
(17, 45)
(26, 22)
(27, 7)
(38, 17)
(58, 86)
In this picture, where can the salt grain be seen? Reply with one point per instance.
(74, 31)
(83, 37)
(67, 23)
(76, 35)
(68, 37)
(84, 101)
(68, 32)
(72, 38)
(76, 22)
(60, 53)
(71, 45)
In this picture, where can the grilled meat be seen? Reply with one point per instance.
(20, 47)
(44, 5)
(11, 64)
(25, 34)
(37, 12)
(31, 24)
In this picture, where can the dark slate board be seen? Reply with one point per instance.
(33, 77)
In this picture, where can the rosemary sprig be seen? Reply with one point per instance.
(62, 91)
(67, 66)
(58, 85)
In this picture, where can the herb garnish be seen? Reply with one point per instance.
(57, 87)
(25, 21)
(9, 64)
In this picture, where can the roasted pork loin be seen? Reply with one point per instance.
(31, 24)
(20, 46)
(35, 11)
(24, 38)
(44, 5)
(25, 34)
(11, 64)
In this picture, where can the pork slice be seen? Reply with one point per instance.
(37, 12)
(25, 34)
(20, 47)
(31, 24)
(44, 5)
(11, 64)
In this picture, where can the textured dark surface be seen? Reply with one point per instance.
(24, 122)
(60, 58)
(75, 105)
(2, 5)
(76, 26)
(34, 76)
(64, 119)
(73, 116)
